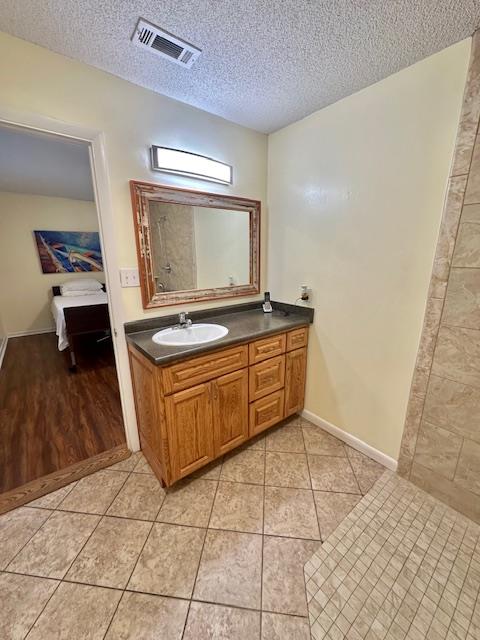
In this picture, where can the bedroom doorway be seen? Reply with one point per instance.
(60, 403)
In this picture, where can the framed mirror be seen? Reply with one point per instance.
(194, 246)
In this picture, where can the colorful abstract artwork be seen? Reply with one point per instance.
(69, 251)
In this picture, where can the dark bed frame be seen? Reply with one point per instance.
(93, 318)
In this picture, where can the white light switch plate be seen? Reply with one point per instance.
(129, 277)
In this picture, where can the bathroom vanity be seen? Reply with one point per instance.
(207, 384)
(196, 403)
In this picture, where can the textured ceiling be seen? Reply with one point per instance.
(265, 63)
(44, 165)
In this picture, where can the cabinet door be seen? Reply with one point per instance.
(190, 432)
(230, 410)
(295, 381)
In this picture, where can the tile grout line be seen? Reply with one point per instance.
(152, 594)
(318, 525)
(201, 552)
(355, 475)
(76, 556)
(128, 579)
(128, 475)
(313, 497)
(139, 555)
(52, 511)
(263, 537)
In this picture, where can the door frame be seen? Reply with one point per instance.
(101, 186)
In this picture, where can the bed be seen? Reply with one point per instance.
(78, 315)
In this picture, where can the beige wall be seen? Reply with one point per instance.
(25, 292)
(3, 333)
(36, 80)
(355, 200)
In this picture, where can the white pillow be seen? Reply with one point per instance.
(80, 284)
(73, 294)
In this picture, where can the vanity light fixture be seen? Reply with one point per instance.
(192, 165)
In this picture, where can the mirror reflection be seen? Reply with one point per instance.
(196, 247)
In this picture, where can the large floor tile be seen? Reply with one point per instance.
(286, 439)
(140, 498)
(209, 471)
(230, 569)
(332, 508)
(54, 547)
(53, 499)
(319, 442)
(366, 470)
(145, 617)
(257, 443)
(295, 421)
(110, 555)
(142, 465)
(287, 470)
(22, 599)
(95, 493)
(16, 529)
(467, 245)
(76, 612)
(215, 622)
(128, 464)
(283, 580)
(188, 502)
(276, 626)
(457, 355)
(290, 512)
(169, 561)
(330, 473)
(436, 449)
(468, 471)
(238, 507)
(244, 466)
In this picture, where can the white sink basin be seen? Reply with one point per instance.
(194, 334)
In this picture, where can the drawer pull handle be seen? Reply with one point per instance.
(269, 348)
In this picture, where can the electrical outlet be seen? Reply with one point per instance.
(305, 292)
(129, 277)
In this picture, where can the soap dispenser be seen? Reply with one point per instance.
(267, 305)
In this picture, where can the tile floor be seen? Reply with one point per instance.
(401, 566)
(219, 556)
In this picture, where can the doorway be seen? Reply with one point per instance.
(61, 411)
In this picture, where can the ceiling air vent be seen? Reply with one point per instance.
(162, 43)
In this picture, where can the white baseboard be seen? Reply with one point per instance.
(3, 348)
(30, 332)
(352, 441)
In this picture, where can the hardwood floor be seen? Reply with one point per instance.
(51, 418)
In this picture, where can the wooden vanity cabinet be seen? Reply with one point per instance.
(196, 410)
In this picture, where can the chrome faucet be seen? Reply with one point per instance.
(183, 320)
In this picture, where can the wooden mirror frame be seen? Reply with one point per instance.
(142, 193)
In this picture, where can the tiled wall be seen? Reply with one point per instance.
(441, 442)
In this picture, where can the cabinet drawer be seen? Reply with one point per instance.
(191, 372)
(267, 348)
(266, 377)
(266, 412)
(297, 338)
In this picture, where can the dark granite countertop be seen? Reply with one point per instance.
(245, 322)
